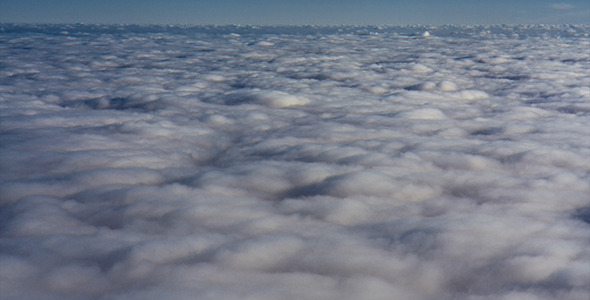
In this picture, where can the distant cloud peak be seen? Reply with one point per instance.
(562, 6)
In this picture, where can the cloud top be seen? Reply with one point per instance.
(294, 162)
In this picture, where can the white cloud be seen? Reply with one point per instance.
(562, 6)
(320, 165)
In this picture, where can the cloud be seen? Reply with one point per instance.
(294, 163)
(562, 6)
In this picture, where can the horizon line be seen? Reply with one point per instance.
(291, 25)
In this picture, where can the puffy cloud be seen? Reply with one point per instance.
(294, 163)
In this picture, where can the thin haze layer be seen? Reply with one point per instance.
(295, 163)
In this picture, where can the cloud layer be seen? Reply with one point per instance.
(295, 163)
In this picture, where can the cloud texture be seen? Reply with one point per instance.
(295, 163)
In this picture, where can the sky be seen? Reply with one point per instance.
(317, 12)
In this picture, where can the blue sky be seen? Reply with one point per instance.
(263, 12)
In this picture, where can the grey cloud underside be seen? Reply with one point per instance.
(295, 163)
